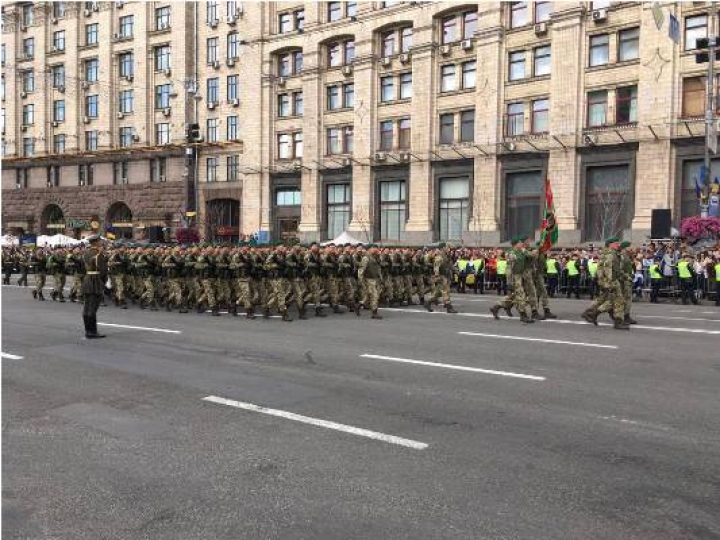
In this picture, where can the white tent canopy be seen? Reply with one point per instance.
(343, 239)
(9, 240)
(56, 240)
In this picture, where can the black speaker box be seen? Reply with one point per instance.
(660, 223)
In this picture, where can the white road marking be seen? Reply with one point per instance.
(10, 356)
(557, 341)
(392, 439)
(677, 318)
(148, 328)
(454, 366)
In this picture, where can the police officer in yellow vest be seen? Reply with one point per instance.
(686, 276)
(552, 271)
(655, 280)
(462, 269)
(717, 281)
(592, 266)
(501, 271)
(478, 264)
(573, 276)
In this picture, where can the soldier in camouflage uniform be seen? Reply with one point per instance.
(441, 277)
(314, 278)
(205, 272)
(610, 296)
(172, 272)
(540, 295)
(346, 275)
(222, 279)
(385, 261)
(295, 273)
(233, 275)
(627, 269)
(76, 268)
(407, 272)
(361, 291)
(145, 270)
(396, 269)
(56, 267)
(243, 262)
(369, 272)
(517, 261)
(275, 274)
(23, 262)
(329, 270)
(39, 261)
(117, 269)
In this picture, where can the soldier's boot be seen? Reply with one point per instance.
(19, 282)
(319, 312)
(549, 314)
(266, 313)
(525, 319)
(168, 306)
(590, 315)
(508, 310)
(124, 305)
(153, 305)
(40, 296)
(199, 308)
(421, 300)
(428, 306)
(629, 320)
(302, 313)
(61, 298)
(93, 325)
(116, 302)
(620, 324)
(336, 309)
(285, 316)
(72, 297)
(495, 310)
(250, 313)
(6, 280)
(34, 294)
(233, 309)
(53, 296)
(215, 311)
(536, 315)
(450, 309)
(183, 308)
(375, 315)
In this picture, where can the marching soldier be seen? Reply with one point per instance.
(23, 263)
(275, 274)
(369, 272)
(517, 260)
(56, 267)
(75, 267)
(627, 272)
(442, 274)
(329, 270)
(39, 261)
(118, 268)
(314, 278)
(610, 296)
(346, 275)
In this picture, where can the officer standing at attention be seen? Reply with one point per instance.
(93, 287)
(655, 279)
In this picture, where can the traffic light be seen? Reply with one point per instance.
(193, 133)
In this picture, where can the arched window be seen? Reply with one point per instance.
(340, 52)
(222, 217)
(52, 220)
(119, 220)
(289, 62)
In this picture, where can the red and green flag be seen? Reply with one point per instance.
(549, 230)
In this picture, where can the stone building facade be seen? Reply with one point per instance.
(400, 122)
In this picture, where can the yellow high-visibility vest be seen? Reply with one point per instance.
(501, 267)
(592, 268)
(478, 264)
(572, 268)
(551, 267)
(717, 272)
(684, 270)
(462, 264)
(655, 271)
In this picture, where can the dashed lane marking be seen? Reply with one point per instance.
(555, 341)
(392, 439)
(10, 356)
(454, 366)
(147, 328)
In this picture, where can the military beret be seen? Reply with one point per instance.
(625, 244)
(611, 240)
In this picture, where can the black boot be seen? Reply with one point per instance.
(375, 315)
(302, 314)
(590, 315)
(40, 296)
(450, 309)
(285, 316)
(524, 318)
(428, 306)
(250, 313)
(494, 310)
(93, 321)
(619, 324)
(319, 312)
(549, 314)
(536, 315)
(34, 293)
(629, 320)
(216, 311)
(336, 309)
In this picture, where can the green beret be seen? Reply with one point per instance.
(625, 244)
(612, 240)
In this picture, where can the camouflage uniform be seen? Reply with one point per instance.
(242, 262)
(314, 281)
(370, 273)
(171, 267)
(442, 274)
(516, 270)
(610, 297)
(117, 268)
(275, 273)
(295, 271)
(56, 267)
(329, 271)
(39, 262)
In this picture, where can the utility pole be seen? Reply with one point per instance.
(708, 47)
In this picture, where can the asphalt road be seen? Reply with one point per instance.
(571, 432)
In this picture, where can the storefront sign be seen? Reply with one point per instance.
(123, 225)
(78, 223)
(227, 231)
(55, 225)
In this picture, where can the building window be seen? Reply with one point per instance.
(517, 65)
(405, 85)
(518, 14)
(91, 140)
(349, 52)
(388, 44)
(405, 39)
(126, 65)
(59, 40)
(120, 172)
(58, 144)
(542, 61)
(233, 87)
(162, 96)
(85, 175)
(386, 135)
(454, 203)
(387, 89)
(162, 133)
(298, 145)
(540, 115)
(447, 78)
(340, 140)
(59, 110)
(126, 26)
(212, 167)
(21, 178)
(404, 134)
(92, 70)
(288, 197)
(597, 108)
(333, 97)
(213, 129)
(53, 176)
(27, 15)
(392, 210)
(449, 29)
(233, 46)
(233, 168)
(608, 205)
(126, 101)
(212, 50)
(157, 169)
(162, 18)
(335, 54)
(469, 24)
(28, 47)
(298, 103)
(28, 146)
(126, 137)
(58, 76)
(524, 192)
(334, 11)
(515, 119)
(629, 44)
(59, 9)
(599, 50)
(28, 80)
(467, 126)
(695, 28)
(337, 209)
(91, 106)
(285, 22)
(211, 12)
(284, 146)
(349, 96)
(91, 34)
(690, 177)
(543, 10)
(232, 128)
(162, 58)
(468, 74)
(28, 115)
(284, 104)
(351, 8)
(693, 97)
(447, 128)
(626, 105)
(213, 92)
(2, 90)
(290, 63)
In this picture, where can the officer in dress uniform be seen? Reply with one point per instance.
(93, 287)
